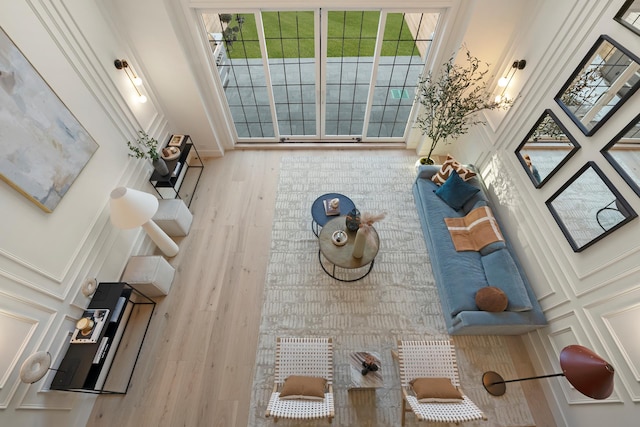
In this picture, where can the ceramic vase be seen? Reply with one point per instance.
(352, 221)
(359, 243)
(160, 166)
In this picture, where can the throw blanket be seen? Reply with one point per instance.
(475, 230)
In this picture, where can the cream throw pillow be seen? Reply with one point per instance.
(430, 390)
(449, 166)
(305, 388)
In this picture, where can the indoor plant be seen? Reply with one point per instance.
(451, 98)
(147, 148)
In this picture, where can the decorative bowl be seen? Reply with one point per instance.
(170, 153)
(339, 238)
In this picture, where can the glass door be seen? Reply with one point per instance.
(296, 76)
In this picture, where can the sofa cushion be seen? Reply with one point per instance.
(491, 299)
(501, 271)
(464, 277)
(449, 166)
(478, 199)
(455, 191)
(492, 247)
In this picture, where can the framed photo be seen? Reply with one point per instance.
(629, 15)
(44, 147)
(588, 207)
(603, 81)
(547, 147)
(176, 140)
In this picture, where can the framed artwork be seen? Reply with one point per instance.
(629, 15)
(603, 81)
(176, 140)
(588, 207)
(623, 152)
(44, 147)
(547, 147)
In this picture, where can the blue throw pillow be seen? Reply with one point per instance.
(455, 191)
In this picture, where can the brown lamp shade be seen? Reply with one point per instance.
(587, 372)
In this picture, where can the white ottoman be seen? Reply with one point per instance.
(173, 217)
(151, 275)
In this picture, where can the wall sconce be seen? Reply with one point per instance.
(504, 82)
(136, 81)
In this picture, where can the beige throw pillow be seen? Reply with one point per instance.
(430, 390)
(302, 387)
(449, 166)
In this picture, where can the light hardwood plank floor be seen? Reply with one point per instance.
(196, 365)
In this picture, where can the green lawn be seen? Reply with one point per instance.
(290, 35)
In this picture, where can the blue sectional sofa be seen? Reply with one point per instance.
(459, 275)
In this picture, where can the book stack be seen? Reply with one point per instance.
(331, 207)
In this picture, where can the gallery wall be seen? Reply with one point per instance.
(592, 297)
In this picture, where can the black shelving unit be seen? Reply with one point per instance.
(106, 367)
(182, 181)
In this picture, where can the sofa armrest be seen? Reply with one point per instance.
(427, 171)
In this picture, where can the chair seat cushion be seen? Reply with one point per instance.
(303, 387)
(441, 390)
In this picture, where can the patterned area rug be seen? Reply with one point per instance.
(398, 300)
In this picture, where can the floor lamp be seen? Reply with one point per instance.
(586, 371)
(132, 208)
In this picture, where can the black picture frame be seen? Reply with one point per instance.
(615, 155)
(622, 15)
(584, 210)
(588, 94)
(557, 138)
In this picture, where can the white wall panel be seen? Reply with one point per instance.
(23, 326)
(615, 318)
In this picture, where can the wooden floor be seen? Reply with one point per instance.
(196, 365)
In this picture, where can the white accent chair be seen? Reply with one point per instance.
(432, 359)
(307, 357)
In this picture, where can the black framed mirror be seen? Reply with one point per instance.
(623, 152)
(588, 207)
(546, 148)
(603, 81)
(629, 15)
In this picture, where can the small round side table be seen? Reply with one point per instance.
(319, 218)
(341, 256)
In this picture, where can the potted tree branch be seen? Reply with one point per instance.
(147, 148)
(451, 99)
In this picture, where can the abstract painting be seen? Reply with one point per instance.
(43, 146)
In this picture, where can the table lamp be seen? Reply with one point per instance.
(132, 208)
(586, 371)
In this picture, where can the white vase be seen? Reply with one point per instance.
(359, 243)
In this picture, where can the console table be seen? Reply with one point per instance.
(182, 181)
(107, 365)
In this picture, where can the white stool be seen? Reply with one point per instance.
(151, 275)
(173, 217)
